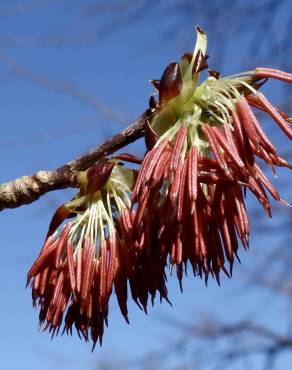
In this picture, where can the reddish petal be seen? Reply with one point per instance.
(170, 83)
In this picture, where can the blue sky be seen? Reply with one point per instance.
(43, 127)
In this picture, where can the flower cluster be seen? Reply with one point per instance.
(202, 143)
(185, 205)
(81, 261)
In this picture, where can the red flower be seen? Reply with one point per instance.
(80, 263)
(187, 201)
(203, 141)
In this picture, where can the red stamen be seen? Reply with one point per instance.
(263, 137)
(230, 138)
(160, 169)
(42, 259)
(78, 270)
(192, 175)
(244, 144)
(239, 136)
(175, 186)
(126, 221)
(259, 192)
(179, 142)
(142, 207)
(87, 266)
(225, 234)
(181, 194)
(246, 117)
(129, 158)
(215, 149)
(43, 282)
(62, 241)
(255, 102)
(273, 73)
(275, 115)
(156, 153)
(70, 261)
(228, 148)
(58, 289)
(267, 183)
(141, 177)
(36, 282)
(178, 250)
(172, 256)
(103, 277)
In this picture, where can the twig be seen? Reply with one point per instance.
(28, 189)
(65, 87)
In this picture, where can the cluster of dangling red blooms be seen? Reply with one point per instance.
(72, 272)
(74, 275)
(187, 203)
(188, 225)
(190, 208)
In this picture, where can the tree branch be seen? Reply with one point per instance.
(28, 189)
(65, 87)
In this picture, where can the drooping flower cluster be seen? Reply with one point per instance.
(185, 205)
(203, 141)
(81, 261)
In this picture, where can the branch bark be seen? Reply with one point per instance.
(28, 189)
